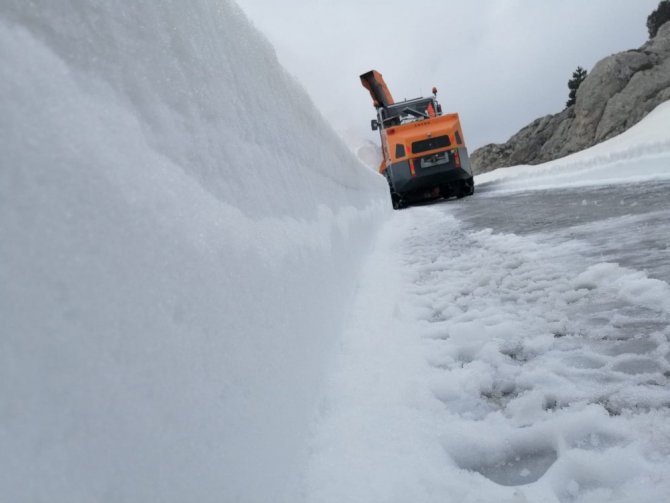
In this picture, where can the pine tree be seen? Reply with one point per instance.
(578, 77)
(659, 17)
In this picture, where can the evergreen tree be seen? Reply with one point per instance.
(659, 17)
(578, 77)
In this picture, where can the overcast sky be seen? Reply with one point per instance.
(498, 63)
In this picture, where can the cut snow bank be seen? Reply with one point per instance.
(179, 235)
(640, 154)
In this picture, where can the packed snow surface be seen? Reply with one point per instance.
(513, 346)
(180, 233)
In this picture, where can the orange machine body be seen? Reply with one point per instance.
(398, 141)
(424, 153)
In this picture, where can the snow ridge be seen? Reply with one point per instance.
(180, 232)
(642, 153)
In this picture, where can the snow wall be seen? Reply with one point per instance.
(180, 237)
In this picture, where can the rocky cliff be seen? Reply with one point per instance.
(618, 92)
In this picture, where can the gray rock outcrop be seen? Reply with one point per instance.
(617, 93)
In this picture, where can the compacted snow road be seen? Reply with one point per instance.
(507, 348)
(627, 224)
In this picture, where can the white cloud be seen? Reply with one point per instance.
(500, 64)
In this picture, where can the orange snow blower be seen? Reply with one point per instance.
(424, 155)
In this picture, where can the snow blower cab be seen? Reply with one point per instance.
(424, 155)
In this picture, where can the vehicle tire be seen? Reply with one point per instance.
(398, 203)
(396, 200)
(469, 186)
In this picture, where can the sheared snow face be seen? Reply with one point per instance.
(491, 366)
(180, 234)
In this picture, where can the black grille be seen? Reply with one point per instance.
(430, 144)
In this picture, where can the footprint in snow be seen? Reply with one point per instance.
(519, 466)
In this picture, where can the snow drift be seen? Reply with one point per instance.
(639, 154)
(180, 232)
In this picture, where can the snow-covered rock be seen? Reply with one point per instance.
(179, 235)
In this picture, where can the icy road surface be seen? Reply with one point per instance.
(627, 224)
(507, 348)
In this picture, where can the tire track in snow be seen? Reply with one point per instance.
(490, 367)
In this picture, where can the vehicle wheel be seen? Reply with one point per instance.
(398, 203)
(469, 187)
(461, 189)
